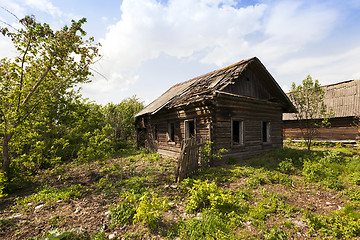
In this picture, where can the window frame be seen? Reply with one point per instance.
(241, 132)
(187, 133)
(171, 132)
(266, 131)
(156, 133)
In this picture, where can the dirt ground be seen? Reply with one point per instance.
(91, 212)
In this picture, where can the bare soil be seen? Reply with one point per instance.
(91, 212)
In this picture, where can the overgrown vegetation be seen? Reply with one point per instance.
(285, 194)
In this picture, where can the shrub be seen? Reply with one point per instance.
(286, 166)
(313, 171)
(275, 233)
(2, 184)
(48, 194)
(209, 226)
(343, 224)
(149, 210)
(331, 157)
(353, 194)
(206, 155)
(256, 180)
(200, 195)
(123, 213)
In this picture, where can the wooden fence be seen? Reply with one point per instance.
(190, 158)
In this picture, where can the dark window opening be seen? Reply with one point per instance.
(171, 132)
(189, 128)
(155, 133)
(237, 132)
(266, 131)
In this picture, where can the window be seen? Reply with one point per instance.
(237, 132)
(171, 132)
(266, 131)
(189, 128)
(155, 132)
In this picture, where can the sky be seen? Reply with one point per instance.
(150, 45)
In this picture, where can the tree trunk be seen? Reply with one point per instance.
(6, 153)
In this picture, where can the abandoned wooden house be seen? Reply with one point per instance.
(344, 99)
(238, 108)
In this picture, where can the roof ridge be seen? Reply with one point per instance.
(214, 71)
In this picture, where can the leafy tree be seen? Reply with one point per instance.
(48, 65)
(308, 98)
(121, 118)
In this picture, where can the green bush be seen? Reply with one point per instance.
(2, 184)
(67, 235)
(48, 194)
(149, 210)
(286, 166)
(331, 157)
(209, 226)
(325, 170)
(353, 194)
(275, 233)
(123, 213)
(256, 180)
(343, 224)
(200, 195)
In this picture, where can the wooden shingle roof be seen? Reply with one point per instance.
(204, 87)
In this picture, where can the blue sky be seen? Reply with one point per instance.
(150, 45)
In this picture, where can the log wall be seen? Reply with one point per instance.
(252, 114)
(341, 129)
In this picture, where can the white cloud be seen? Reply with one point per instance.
(45, 6)
(216, 29)
(180, 29)
(291, 25)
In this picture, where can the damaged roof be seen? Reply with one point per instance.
(205, 86)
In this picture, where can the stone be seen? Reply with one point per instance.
(38, 207)
(113, 235)
(16, 215)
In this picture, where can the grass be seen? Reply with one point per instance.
(284, 194)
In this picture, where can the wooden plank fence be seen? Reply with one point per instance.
(190, 159)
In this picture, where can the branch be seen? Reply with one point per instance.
(22, 72)
(37, 84)
(35, 105)
(11, 13)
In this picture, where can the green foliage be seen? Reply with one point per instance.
(149, 210)
(256, 180)
(48, 65)
(121, 119)
(209, 226)
(206, 155)
(325, 170)
(201, 193)
(67, 235)
(123, 213)
(353, 194)
(48, 194)
(206, 195)
(2, 184)
(276, 233)
(308, 99)
(343, 224)
(286, 166)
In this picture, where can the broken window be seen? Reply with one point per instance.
(155, 132)
(171, 132)
(189, 128)
(237, 132)
(266, 131)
